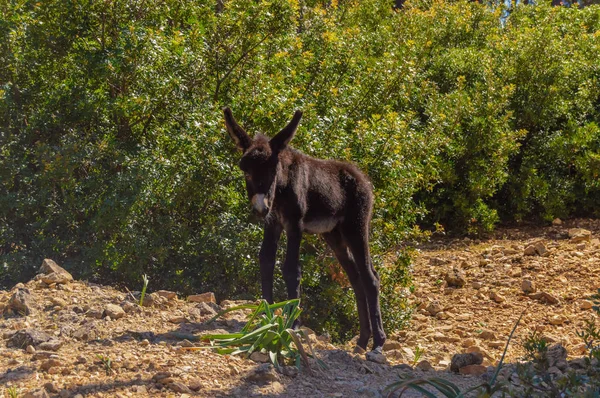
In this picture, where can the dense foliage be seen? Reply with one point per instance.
(114, 160)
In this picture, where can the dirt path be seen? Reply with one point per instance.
(74, 328)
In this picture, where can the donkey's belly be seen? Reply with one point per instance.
(320, 226)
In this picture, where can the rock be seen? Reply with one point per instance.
(435, 261)
(496, 344)
(167, 294)
(26, 337)
(114, 311)
(544, 297)
(473, 370)
(578, 235)
(208, 297)
(257, 356)
(391, 345)
(57, 301)
(53, 273)
(51, 345)
(376, 356)
(178, 386)
(263, 374)
(497, 297)
(21, 302)
(39, 393)
(424, 365)
(557, 222)
(177, 319)
(528, 286)
(30, 349)
(461, 360)
(150, 300)
(586, 305)
(455, 278)
(157, 377)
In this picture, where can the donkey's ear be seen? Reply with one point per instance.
(283, 138)
(237, 133)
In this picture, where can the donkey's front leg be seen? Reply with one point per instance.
(291, 269)
(267, 255)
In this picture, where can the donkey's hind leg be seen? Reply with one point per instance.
(357, 238)
(340, 249)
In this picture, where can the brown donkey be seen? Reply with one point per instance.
(297, 193)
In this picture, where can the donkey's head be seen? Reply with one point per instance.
(260, 160)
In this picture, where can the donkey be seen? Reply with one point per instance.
(297, 193)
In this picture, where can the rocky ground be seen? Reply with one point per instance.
(66, 338)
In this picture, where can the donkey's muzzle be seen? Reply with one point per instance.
(260, 204)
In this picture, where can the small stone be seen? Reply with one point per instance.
(167, 294)
(30, 349)
(144, 342)
(530, 251)
(206, 309)
(487, 335)
(497, 297)
(178, 386)
(39, 393)
(580, 246)
(50, 363)
(86, 332)
(26, 337)
(557, 320)
(586, 305)
(257, 356)
(424, 365)
(195, 384)
(473, 370)
(455, 278)
(114, 311)
(528, 286)
(540, 248)
(58, 302)
(51, 345)
(178, 319)
(263, 374)
(208, 297)
(161, 375)
(129, 307)
(477, 285)
(496, 344)
(434, 307)
(461, 360)
(391, 345)
(21, 302)
(544, 297)
(95, 313)
(557, 222)
(290, 371)
(376, 356)
(51, 387)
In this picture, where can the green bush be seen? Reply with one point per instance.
(114, 160)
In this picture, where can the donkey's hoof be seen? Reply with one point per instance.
(358, 350)
(376, 356)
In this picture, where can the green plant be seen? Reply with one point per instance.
(267, 332)
(12, 392)
(106, 363)
(418, 354)
(146, 280)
